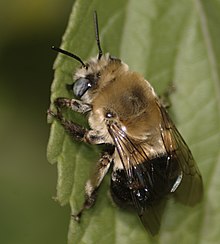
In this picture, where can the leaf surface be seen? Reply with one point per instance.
(168, 42)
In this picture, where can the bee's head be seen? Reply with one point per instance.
(96, 74)
(88, 75)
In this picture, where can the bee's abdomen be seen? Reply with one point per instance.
(148, 182)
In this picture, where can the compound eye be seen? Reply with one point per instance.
(81, 86)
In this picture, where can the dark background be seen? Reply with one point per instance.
(28, 214)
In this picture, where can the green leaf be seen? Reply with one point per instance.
(166, 41)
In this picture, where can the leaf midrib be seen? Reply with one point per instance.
(210, 51)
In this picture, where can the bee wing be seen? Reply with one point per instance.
(189, 190)
(148, 180)
(152, 215)
(175, 172)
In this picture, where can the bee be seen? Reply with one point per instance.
(150, 160)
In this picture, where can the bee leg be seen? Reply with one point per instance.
(165, 97)
(76, 131)
(73, 104)
(93, 184)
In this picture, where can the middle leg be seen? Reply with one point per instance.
(93, 184)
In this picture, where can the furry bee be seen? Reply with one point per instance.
(149, 157)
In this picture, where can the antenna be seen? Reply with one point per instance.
(68, 54)
(97, 34)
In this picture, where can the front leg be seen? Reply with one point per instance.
(73, 104)
(76, 131)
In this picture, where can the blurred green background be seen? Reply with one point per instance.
(28, 214)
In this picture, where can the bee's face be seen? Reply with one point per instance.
(91, 78)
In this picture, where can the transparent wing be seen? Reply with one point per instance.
(149, 180)
(190, 186)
